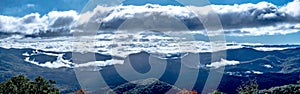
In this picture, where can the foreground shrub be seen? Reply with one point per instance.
(217, 92)
(249, 87)
(287, 89)
(22, 85)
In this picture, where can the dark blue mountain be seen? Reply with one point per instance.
(285, 69)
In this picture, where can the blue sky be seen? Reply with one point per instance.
(23, 7)
(292, 38)
(218, 2)
(20, 8)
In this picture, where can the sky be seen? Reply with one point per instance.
(266, 14)
(23, 7)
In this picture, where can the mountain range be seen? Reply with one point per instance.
(270, 68)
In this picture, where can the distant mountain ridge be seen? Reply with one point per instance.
(145, 86)
(285, 68)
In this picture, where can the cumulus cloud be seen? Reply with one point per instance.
(245, 19)
(35, 24)
(259, 19)
(292, 9)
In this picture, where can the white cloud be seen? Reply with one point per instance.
(270, 48)
(246, 19)
(222, 63)
(238, 20)
(62, 19)
(30, 5)
(34, 24)
(58, 63)
(100, 63)
(161, 47)
(268, 66)
(292, 9)
(257, 72)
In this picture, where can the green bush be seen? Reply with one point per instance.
(22, 85)
(249, 87)
(217, 92)
(287, 89)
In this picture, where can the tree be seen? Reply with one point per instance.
(22, 85)
(217, 92)
(183, 91)
(249, 87)
(81, 91)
